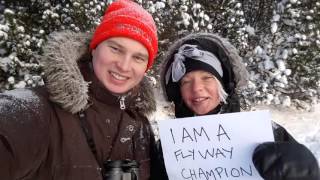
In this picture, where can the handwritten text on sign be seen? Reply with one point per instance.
(214, 147)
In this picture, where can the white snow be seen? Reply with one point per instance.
(8, 11)
(276, 18)
(11, 80)
(160, 5)
(274, 27)
(268, 64)
(250, 30)
(281, 65)
(293, 1)
(3, 34)
(20, 85)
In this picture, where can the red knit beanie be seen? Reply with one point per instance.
(128, 19)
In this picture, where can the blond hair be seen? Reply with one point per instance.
(221, 92)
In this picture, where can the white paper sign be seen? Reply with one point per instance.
(214, 147)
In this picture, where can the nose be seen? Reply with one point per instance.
(197, 85)
(124, 63)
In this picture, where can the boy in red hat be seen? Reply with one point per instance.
(92, 113)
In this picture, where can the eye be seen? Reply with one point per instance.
(114, 49)
(184, 82)
(208, 78)
(139, 59)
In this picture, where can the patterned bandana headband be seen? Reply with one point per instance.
(178, 69)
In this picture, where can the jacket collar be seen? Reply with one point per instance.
(65, 82)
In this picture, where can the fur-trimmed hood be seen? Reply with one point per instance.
(235, 76)
(64, 81)
(221, 46)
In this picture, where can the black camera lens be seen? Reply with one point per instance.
(121, 170)
(130, 164)
(113, 170)
(114, 164)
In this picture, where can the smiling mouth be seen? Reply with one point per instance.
(199, 100)
(118, 76)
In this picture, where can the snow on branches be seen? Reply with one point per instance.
(279, 40)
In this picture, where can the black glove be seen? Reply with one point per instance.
(285, 161)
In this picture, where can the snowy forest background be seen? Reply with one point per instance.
(279, 40)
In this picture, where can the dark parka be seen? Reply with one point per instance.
(235, 78)
(40, 133)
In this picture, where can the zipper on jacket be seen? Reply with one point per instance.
(122, 103)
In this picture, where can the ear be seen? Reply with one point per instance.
(93, 52)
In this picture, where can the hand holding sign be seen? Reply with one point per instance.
(215, 146)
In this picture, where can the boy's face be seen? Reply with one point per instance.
(199, 91)
(120, 63)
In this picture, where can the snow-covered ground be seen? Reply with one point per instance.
(303, 126)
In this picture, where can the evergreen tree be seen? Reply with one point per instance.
(279, 39)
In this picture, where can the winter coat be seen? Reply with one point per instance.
(235, 78)
(41, 136)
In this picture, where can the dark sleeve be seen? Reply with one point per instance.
(23, 134)
(158, 170)
(151, 164)
(281, 134)
(143, 143)
(285, 158)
